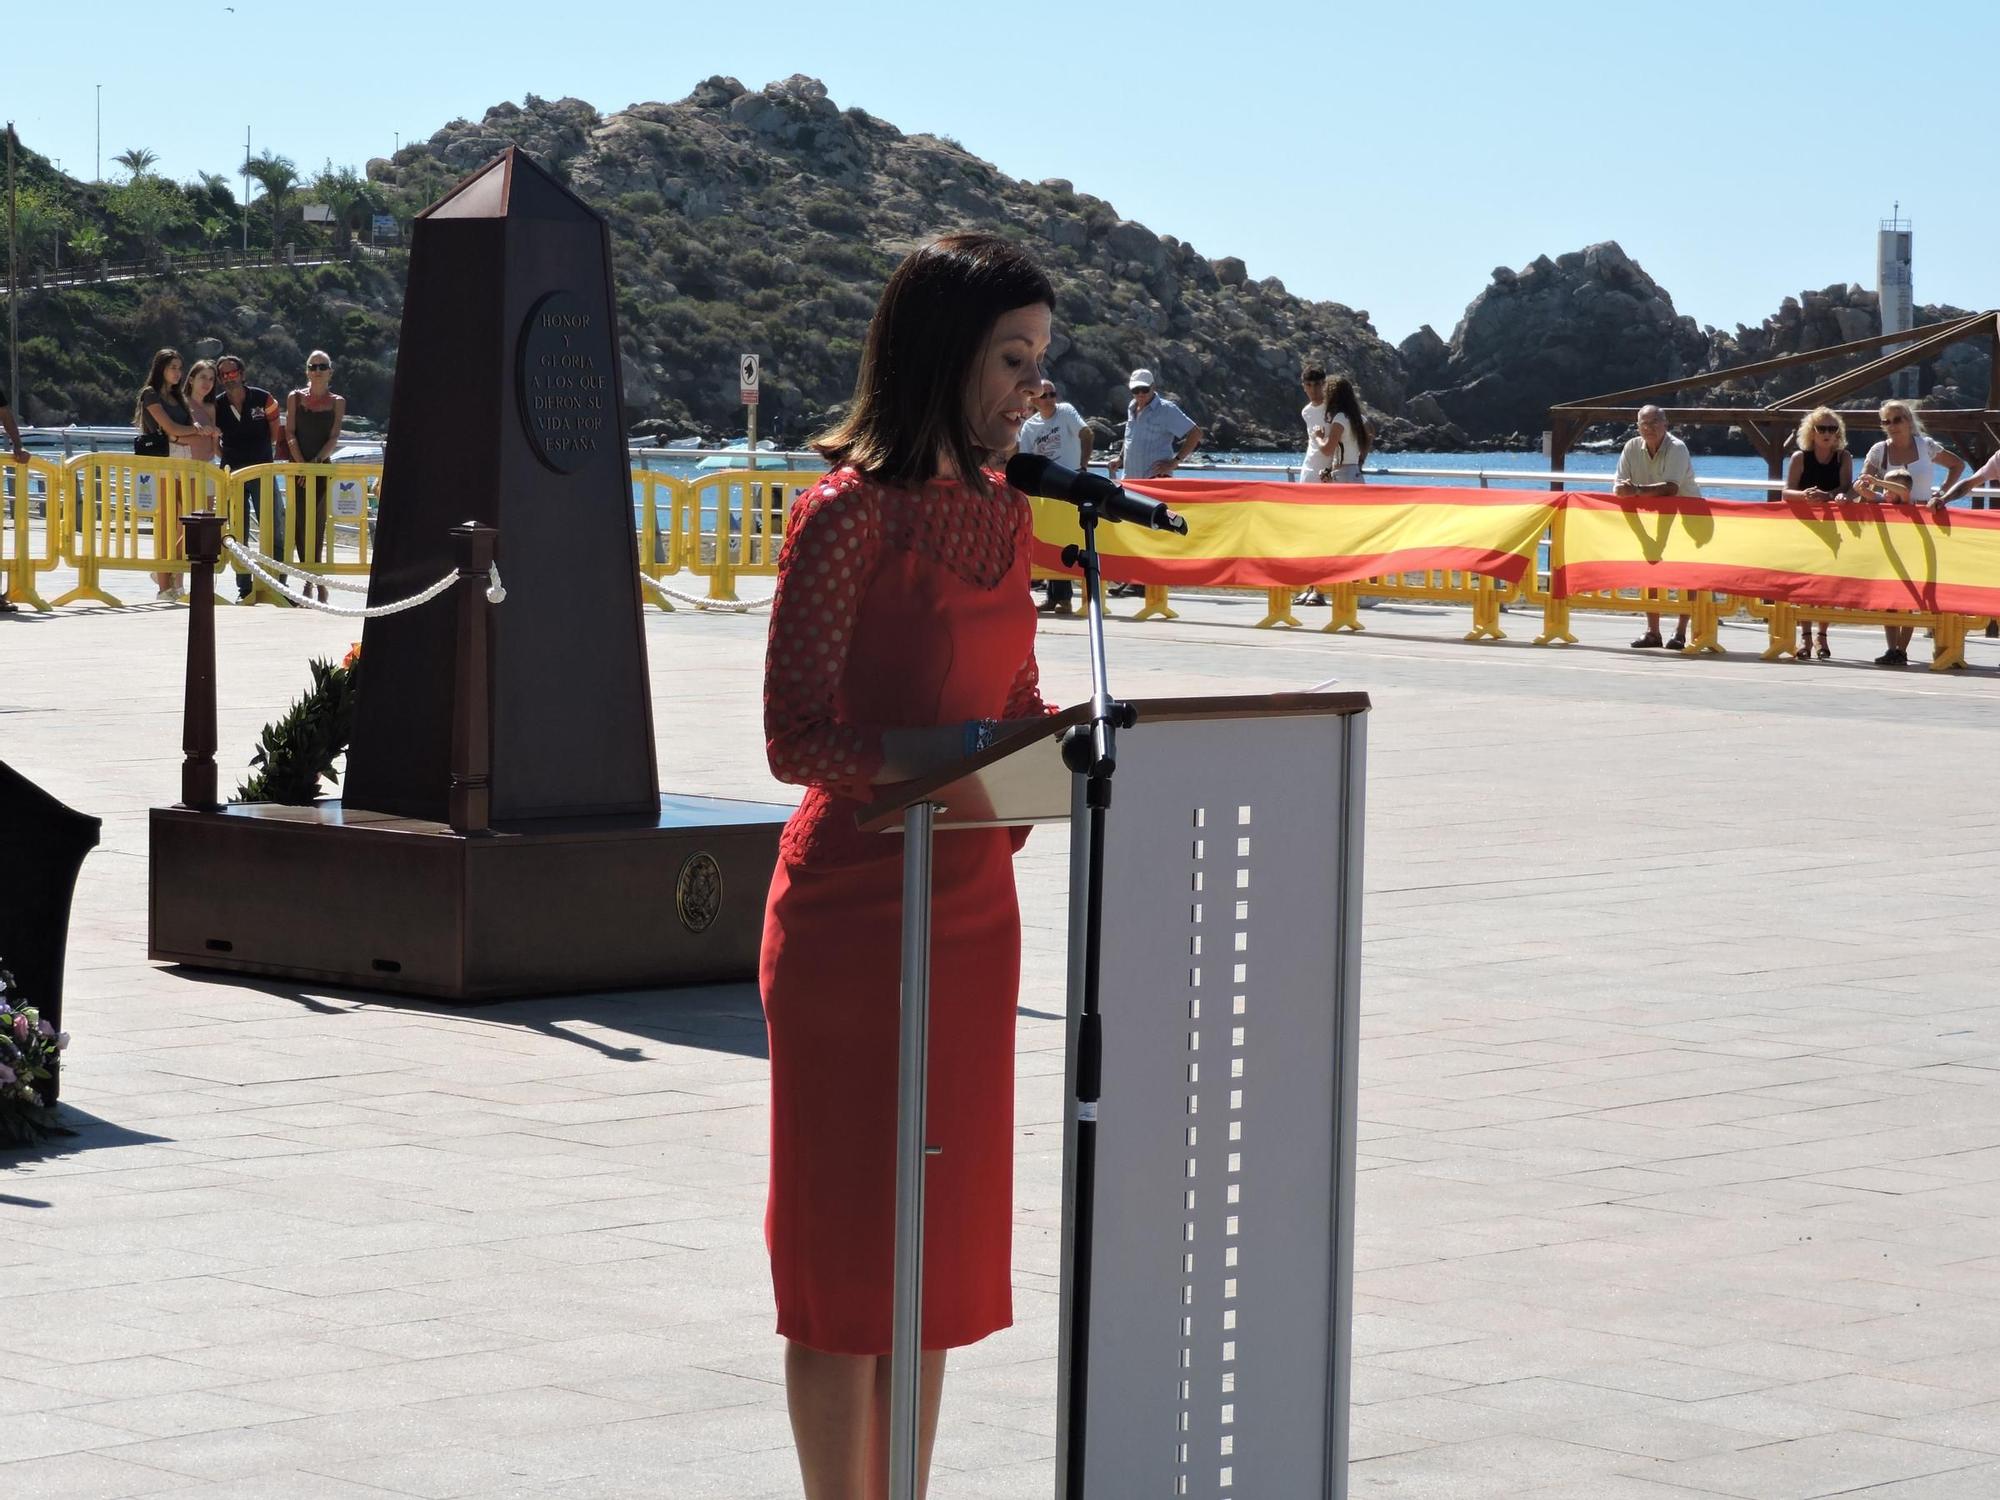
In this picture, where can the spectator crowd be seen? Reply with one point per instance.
(1907, 468)
(211, 414)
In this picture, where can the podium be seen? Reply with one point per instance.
(1208, 1222)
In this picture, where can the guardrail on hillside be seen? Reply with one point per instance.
(183, 263)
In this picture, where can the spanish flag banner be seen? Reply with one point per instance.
(1870, 556)
(1262, 535)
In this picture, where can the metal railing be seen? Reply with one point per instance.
(805, 459)
(647, 459)
(182, 263)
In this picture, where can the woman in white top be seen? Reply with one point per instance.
(1336, 439)
(1906, 447)
(1317, 464)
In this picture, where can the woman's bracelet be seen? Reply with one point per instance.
(979, 734)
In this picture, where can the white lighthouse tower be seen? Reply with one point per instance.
(1893, 285)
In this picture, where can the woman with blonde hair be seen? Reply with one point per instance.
(1905, 447)
(313, 415)
(1819, 473)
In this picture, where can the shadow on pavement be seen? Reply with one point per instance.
(712, 1018)
(82, 1131)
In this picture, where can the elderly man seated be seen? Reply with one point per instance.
(1656, 464)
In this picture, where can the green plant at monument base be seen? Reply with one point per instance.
(28, 1050)
(295, 752)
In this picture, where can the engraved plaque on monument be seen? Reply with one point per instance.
(565, 394)
(508, 410)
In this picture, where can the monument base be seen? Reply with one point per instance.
(365, 900)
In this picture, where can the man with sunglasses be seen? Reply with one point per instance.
(248, 418)
(1057, 432)
(1158, 438)
(1656, 465)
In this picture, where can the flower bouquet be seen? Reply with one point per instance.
(295, 753)
(28, 1049)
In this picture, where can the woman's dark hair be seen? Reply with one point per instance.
(1340, 398)
(926, 338)
(156, 380)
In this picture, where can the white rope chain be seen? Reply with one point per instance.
(252, 563)
(695, 601)
(335, 581)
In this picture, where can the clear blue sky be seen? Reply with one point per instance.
(1385, 155)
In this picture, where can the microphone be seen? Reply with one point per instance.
(1034, 475)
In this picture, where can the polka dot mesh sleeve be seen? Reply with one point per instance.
(1024, 698)
(833, 540)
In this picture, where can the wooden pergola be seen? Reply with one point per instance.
(1974, 432)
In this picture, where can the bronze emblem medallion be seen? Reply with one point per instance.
(698, 892)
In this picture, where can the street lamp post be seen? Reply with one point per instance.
(13, 284)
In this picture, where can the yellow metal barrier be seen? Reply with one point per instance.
(21, 485)
(309, 520)
(732, 523)
(661, 499)
(1705, 612)
(1481, 594)
(123, 513)
(107, 512)
(1782, 622)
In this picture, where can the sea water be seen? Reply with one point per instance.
(1441, 470)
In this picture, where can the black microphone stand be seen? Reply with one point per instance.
(1089, 750)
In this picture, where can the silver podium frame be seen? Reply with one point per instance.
(1221, 1350)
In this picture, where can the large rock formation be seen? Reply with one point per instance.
(768, 219)
(1839, 314)
(1582, 324)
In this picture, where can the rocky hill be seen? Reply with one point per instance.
(768, 220)
(1840, 314)
(1581, 324)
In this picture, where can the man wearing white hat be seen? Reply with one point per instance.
(1158, 434)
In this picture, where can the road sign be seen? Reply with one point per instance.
(747, 370)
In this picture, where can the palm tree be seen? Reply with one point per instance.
(89, 243)
(342, 190)
(41, 220)
(138, 161)
(215, 187)
(278, 177)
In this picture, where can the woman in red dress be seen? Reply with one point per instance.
(902, 634)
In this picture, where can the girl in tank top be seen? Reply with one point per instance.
(1820, 472)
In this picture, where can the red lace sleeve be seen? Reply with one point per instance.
(832, 542)
(1024, 698)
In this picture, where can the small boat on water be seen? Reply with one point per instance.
(737, 456)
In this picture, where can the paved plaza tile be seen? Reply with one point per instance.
(1680, 1150)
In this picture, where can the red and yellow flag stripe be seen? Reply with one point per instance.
(1263, 535)
(1843, 556)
